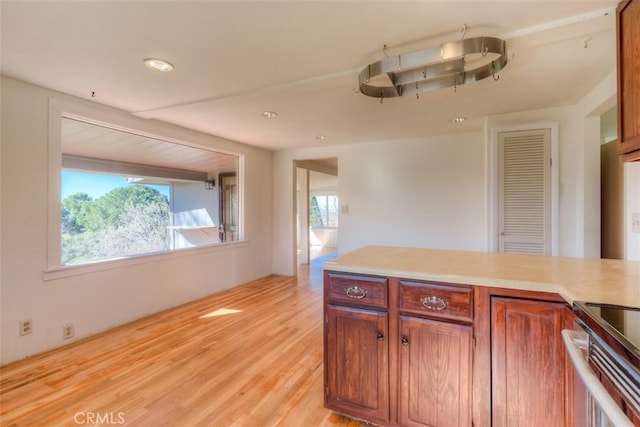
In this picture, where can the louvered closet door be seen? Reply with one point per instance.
(525, 191)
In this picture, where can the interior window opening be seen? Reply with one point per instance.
(124, 194)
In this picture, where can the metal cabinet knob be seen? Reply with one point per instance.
(405, 341)
(434, 303)
(380, 336)
(355, 292)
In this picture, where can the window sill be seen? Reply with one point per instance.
(77, 270)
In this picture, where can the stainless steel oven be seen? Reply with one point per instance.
(605, 353)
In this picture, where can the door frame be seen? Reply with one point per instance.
(309, 165)
(222, 226)
(302, 216)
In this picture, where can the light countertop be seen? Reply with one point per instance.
(575, 279)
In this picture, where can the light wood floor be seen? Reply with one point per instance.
(249, 356)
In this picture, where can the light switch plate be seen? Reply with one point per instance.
(635, 222)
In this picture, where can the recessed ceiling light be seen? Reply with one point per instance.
(321, 137)
(158, 64)
(457, 119)
(269, 114)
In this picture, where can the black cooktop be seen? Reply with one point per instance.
(618, 326)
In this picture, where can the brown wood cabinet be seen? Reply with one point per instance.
(435, 373)
(528, 362)
(628, 46)
(356, 362)
(435, 353)
(415, 353)
(398, 352)
(356, 348)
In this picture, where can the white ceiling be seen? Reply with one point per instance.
(235, 59)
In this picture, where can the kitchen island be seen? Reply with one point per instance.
(575, 279)
(439, 337)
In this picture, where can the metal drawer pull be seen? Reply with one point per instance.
(355, 292)
(434, 303)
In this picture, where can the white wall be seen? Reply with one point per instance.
(631, 206)
(579, 169)
(631, 193)
(193, 205)
(322, 183)
(597, 102)
(100, 300)
(327, 237)
(434, 192)
(302, 185)
(426, 193)
(570, 147)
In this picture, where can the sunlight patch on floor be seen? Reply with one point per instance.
(220, 312)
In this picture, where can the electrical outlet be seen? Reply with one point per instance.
(68, 331)
(26, 327)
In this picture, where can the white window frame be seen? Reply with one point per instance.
(493, 187)
(120, 121)
(327, 194)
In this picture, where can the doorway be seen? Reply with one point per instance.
(317, 210)
(611, 189)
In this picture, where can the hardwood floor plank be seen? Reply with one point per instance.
(247, 356)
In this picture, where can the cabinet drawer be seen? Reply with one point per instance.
(434, 299)
(357, 290)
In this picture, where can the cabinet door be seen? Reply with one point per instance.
(528, 363)
(356, 358)
(435, 373)
(628, 35)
